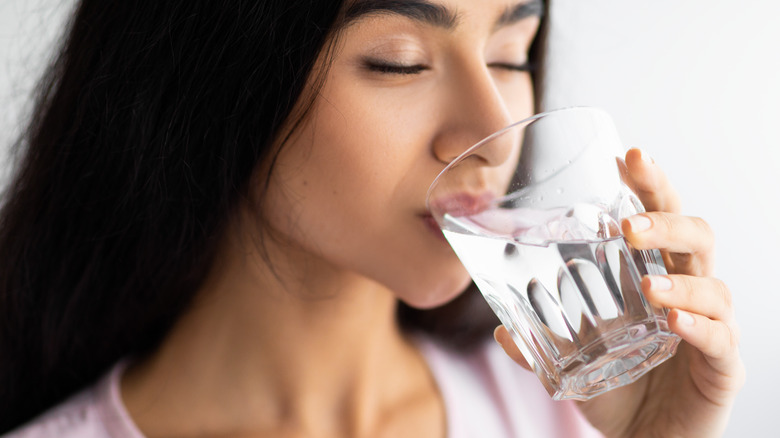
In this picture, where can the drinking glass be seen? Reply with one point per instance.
(533, 212)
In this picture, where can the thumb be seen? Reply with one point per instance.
(504, 339)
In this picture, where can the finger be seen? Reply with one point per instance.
(719, 344)
(504, 339)
(669, 231)
(704, 296)
(713, 338)
(650, 183)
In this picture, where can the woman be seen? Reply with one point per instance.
(219, 206)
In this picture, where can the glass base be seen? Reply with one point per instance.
(614, 361)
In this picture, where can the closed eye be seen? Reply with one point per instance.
(526, 67)
(391, 68)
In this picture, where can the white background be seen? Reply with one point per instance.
(696, 83)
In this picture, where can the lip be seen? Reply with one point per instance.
(461, 204)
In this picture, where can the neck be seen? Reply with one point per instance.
(313, 350)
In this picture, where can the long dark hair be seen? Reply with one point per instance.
(146, 130)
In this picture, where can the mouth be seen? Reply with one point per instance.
(462, 204)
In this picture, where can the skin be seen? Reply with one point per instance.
(309, 345)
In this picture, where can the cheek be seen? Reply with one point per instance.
(518, 96)
(359, 209)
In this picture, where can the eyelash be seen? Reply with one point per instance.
(395, 69)
(527, 67)
(398, 69)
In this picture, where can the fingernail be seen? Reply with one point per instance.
(639, 223)
(659, 282)
(645, 157)
(684, 318)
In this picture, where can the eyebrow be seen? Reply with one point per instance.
(434, 14)
(511, 15)
(418, 10)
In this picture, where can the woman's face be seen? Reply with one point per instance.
(412, 84)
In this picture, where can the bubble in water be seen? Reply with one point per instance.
(559, 190)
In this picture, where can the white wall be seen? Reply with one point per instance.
(696, 83)
(27, 30)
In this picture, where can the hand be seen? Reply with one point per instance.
(691, 394)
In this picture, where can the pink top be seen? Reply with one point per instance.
(485, 395)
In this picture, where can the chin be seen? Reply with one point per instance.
(438, 294)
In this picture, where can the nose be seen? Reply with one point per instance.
(474, 110)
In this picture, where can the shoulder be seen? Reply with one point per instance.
(484, 390)
(95, 412)
(75, 417)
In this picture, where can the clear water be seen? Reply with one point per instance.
(567, 286)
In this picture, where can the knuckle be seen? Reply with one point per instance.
(702, 225)
(685, 285)
(705, 229)
(721, 337)
(664, 221)
(725, 338)
(736, 335)
(733, 339)
(724, 294)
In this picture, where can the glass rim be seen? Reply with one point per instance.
(497, 134)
